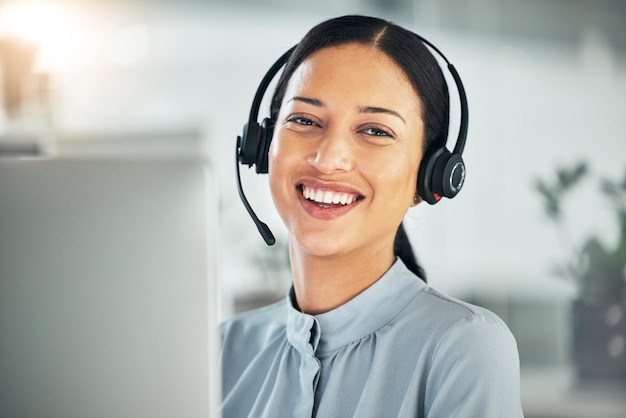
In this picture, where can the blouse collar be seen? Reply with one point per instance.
(361, 316)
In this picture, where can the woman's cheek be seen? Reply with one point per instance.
(277, 173)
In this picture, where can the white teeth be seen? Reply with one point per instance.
(327, 197)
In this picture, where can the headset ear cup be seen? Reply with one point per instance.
(265, 139)
(249, 143)
(448, 175)
(425, 178)
(442, 174)
(455, 175)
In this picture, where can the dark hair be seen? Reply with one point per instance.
(411, 55)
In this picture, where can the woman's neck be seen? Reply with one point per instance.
(324, 283)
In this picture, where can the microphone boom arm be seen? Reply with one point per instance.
(264, 230)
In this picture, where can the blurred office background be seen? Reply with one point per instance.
(546, 82)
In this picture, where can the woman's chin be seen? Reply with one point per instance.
(319, 244)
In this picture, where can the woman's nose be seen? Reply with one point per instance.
(334, 153)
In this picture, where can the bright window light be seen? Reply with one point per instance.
(53, 29)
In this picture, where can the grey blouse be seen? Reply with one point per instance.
(399, 349)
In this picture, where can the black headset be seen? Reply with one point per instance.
(441, 172)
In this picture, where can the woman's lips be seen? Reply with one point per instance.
(327, 202)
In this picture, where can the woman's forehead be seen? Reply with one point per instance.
(356, 71)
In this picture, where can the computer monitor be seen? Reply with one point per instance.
(108, 301)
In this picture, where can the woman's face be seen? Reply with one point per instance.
(344, 159)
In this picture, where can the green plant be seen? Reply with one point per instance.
(598, 271)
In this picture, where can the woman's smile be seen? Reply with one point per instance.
(327, 201)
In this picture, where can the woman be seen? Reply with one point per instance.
(359, 104)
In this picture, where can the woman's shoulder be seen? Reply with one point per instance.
(472, 351)
(434, 309)
(259, 323)
(440, 318)
(451, 309)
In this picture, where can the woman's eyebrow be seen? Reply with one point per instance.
(373, 109)
(308, 100)
(361, 109)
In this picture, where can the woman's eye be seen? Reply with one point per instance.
(376, 131)
(301, 121)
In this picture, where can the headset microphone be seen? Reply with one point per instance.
(264, 230)
(253, 146)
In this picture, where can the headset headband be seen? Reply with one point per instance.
(280, 62)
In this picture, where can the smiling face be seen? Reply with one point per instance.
(344, 158)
